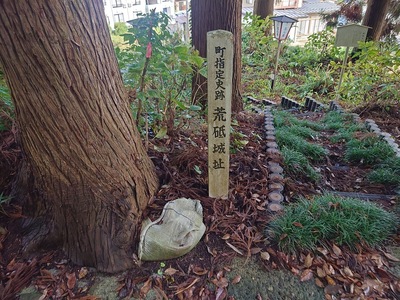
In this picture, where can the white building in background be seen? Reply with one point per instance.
(126, 10)
(307, 12)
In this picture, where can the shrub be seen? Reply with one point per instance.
(161, 77)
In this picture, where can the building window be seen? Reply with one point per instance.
(136, 2)
(303, 27)
(118, 18)
(118, 3)
(180, 5)
(249, 1)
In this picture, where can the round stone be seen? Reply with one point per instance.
(275, 177)
(270, 132)
(270, 138)
(275, 187)
(275, 207)
(272, 145)
(273, 151)
(272, 163)
(269, 127)
(276, 169)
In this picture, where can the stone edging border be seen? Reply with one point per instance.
(274, 156)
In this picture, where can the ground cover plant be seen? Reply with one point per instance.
(388, 171)
(309, 223)
(368, 150)
(297, 152)
(302, 151)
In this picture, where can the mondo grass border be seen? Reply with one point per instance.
(307, 224)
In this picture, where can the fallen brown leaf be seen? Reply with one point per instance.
(320, 272)
(255, 250)
(330, 280)
(226, 236)
(308, 260)
(236, 279)
(391, 257)
(347, 272)
(199, 270)
(221, 294)
(146, 287)
(265, 255)
(71, 280)
(307, 274)
(319, 283)
(336, 250)
(221, 283)
(328, 269)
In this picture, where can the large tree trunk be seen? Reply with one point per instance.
(375, 17)
(89, 165)
(263, 8)
(209, 15)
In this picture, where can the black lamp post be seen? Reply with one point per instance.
(282, 26)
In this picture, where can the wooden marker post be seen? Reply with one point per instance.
(219, 81)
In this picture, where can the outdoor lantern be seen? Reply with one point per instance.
(282, 26)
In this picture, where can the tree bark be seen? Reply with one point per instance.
(263, 8)
(209, 15)
(89, 166)
(375, 17)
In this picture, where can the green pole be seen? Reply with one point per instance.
(341, 73)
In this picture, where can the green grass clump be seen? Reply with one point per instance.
(305, 132)
(388, 172)
(286, 119)
(297, 164)
(334, 120)
(283, 118)
(368, 150)
(346, 134)
(294, 142)
(344, 221)
(310, 124)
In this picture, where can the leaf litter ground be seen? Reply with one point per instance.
(235, 228)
